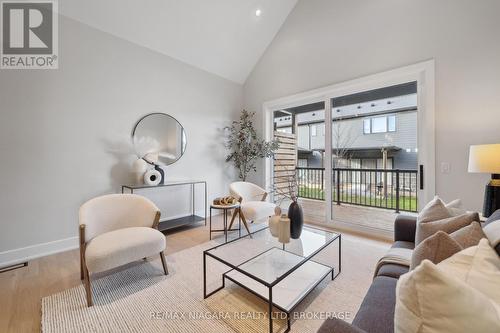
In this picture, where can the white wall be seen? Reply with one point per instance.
(61, 133)
(329, 41)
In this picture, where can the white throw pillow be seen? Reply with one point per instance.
(457, 295)
(492, 231)
(455, 207)
(478, 266)
(433, 211)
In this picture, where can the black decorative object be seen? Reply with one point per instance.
(162, 173)
(296, 220)
(491, 198)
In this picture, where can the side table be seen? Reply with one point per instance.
(225, 209)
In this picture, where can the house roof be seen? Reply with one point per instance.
(378, 149)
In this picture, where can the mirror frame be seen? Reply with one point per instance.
(163, 114)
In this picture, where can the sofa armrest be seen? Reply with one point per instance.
(334, 325)
(405, 227)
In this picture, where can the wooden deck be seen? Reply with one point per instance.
(367, 217)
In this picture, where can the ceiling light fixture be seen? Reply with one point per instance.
(258, 12)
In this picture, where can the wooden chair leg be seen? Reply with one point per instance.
(164, 262)
(232, 219)
(88, 287)
(81, 268)
(243, 219)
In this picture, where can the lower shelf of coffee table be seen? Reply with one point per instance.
(292, 289)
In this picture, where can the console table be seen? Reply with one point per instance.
(185, 220)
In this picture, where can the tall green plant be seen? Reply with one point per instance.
(244, 145)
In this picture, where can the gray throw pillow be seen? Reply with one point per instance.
(469, 236)
(435, 248)
(448, 225)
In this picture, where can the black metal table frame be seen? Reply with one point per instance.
(224, 217)
(193, 183)
(278, 280)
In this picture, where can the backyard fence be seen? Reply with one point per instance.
(390, 189)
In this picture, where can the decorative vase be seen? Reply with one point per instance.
(296, 220)
(152, 177)
(284, 229)
(162, 173)
(139, 167)
(274, 222)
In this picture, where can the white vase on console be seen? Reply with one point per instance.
(139, 168)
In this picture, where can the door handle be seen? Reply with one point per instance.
(421, 167)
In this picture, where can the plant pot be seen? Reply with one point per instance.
(296, 220)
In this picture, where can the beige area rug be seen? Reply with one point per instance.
(141, 299)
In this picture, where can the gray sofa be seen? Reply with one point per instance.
(376, 313)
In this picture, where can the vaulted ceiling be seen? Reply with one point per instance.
(224, 37)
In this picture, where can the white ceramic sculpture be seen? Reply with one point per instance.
(284, 229)
(274, 222)
(152, 177)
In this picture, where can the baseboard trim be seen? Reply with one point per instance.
(25, 254)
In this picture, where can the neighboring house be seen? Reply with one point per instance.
(360, 132)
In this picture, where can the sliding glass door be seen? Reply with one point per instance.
(361, 151)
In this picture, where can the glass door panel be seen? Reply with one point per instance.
(374, 156)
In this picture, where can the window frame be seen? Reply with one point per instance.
(388, 129)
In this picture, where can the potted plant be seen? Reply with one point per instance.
(245, 147)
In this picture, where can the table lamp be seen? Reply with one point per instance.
(486, 159)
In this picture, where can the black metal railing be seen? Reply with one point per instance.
(390, 189)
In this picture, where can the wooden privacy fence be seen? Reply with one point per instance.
(285, 161)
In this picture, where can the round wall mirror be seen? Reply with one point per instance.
(159, 138)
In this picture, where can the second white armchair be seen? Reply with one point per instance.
(253, 204)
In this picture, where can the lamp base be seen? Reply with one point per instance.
(491, 199)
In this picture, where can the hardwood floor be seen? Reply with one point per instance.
(21, 290)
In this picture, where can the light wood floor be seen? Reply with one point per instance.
(21, 290)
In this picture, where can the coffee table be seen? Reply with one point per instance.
(280, 274)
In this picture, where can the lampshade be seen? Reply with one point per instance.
(485, 158)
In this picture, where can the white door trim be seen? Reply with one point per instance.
(422, 72)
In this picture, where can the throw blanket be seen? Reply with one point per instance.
(398, 256)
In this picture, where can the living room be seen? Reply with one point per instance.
(155, 178)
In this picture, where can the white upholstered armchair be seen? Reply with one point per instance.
(253, 204)
(115, 230)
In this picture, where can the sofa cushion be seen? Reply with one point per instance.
(492, 230)
(122, 246)
(433, 211)
(396, 255)
(392, 270)
(376, 313)
(457, 295)
(255, 210)
(493, 217)
(403, 245)
(455, 207)
(469, 235)
(435, 248)
(479, 267)
(448, 225)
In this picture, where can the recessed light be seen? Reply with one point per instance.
(258, 12)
